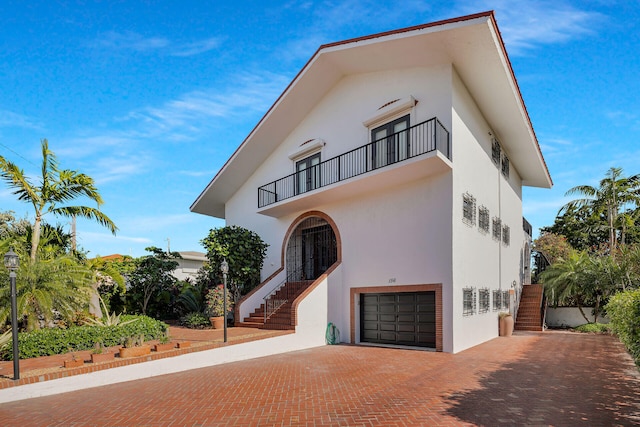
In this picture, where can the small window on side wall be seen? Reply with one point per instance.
(483, 300)
(496, 229)
(468, 209)
(483, 219)
(468, 301)
(505, 166)
(506, 235)
(495, 152)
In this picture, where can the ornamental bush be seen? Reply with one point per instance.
(624, 311)
(46, 342)
(195, 320)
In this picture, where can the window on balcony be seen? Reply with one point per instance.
(390, 143)
(308, 174)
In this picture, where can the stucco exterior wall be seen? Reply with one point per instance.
(480, 261)
(412, 233)
(338, 120)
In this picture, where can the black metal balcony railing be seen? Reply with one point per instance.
(417, 140)
(526, 226)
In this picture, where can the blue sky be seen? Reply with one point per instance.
(151, 98)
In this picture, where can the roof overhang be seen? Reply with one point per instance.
(472, 44)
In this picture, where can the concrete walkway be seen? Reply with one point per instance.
(546, 378)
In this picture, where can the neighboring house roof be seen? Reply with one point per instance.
(471, 43)
(193, 255)
(113, 257)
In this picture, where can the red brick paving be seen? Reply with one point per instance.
(546, 378)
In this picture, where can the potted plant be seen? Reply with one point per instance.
(133, 346)
(98, 354)
(74, 362)
(164, 343)
(505, 325)
(215, 306)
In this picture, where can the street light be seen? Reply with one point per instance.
(224, 267)
(12, 262)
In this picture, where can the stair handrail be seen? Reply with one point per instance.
(271, 304)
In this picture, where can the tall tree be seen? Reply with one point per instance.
(612, 199)
(152, 280)
(55, 188)
(244, 251)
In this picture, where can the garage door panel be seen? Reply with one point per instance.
(407, 328)
(406, 318)
(387, 309)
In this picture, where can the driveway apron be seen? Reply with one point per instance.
(547, 378)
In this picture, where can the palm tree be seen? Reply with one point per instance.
(55, 287)
(568, 281)
(56, 187)
(614, 193)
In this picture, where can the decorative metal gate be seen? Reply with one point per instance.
(311, 250)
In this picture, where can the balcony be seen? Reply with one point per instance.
(382, 158)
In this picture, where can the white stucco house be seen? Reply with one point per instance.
(189, 264)
(387, 179)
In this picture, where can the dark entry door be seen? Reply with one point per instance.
(319, 250)
(404, 318)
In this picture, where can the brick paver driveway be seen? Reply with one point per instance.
(550, 378)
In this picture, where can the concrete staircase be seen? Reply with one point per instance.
(529, 312)
(283, 318)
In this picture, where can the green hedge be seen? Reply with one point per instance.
(624, 311)
(46, 342)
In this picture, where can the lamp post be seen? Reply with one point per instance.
(11, 261)
(224, 267)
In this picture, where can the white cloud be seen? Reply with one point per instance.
(188, 116)
(525, 24)
(11, 119)
(138, 43)
(196, 48)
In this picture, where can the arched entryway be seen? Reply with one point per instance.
(311, 249)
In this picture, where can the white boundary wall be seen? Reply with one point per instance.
(569, 317)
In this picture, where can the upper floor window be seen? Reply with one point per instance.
(468, 209)
(496, 228)
(506, 234)
(483, 219)
(505, 166)
(495, 151)
(390, 143)
(308, 174)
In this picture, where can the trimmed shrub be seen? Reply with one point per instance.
(594, 328)
(195, 320)
(624, 311)
(46, 342)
